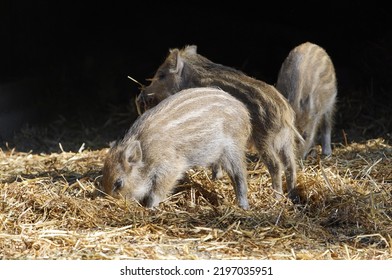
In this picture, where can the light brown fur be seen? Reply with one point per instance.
(195, 127)
(307, 78)
(273, 128)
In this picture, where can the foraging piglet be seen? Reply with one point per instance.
(307, 79)
(195, 127)
(273, 128)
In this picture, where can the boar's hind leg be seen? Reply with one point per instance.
(274, 166)
(234, 164)
(325, 129)
(309, 137)
(288, 158)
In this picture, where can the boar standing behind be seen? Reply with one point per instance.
(273, 127)
(307, 79)
(195, 127)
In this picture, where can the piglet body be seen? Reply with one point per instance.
(273, 120)
(195, 127)
(307, 79)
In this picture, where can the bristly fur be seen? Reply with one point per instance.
(273, 119)
(195, 127)
(307, 79)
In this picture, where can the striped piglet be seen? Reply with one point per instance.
(195, 127)
(272, 118)
(307, 79)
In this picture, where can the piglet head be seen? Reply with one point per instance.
(170, 78)
(121, 173)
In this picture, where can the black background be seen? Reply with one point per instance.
(72, 58)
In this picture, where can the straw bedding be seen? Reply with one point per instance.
(48, 211)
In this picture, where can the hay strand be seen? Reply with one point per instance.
(49, 211)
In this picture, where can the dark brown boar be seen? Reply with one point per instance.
(273, 129)
(307, 79)
(195, 127)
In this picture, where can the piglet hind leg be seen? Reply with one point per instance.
(274, 166)
(325, 130)
(309, 136)
(290, 169)
(241, 190)
(235, 166)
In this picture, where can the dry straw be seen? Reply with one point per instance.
(47, 211)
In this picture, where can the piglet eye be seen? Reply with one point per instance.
(117, 184)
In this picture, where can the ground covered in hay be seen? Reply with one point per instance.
(47, 209)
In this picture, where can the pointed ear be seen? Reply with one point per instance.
(191, 49)
(178, 63)
(133, 153)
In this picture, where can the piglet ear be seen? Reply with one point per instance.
(133, 153)
(178, 63)
(191, 49)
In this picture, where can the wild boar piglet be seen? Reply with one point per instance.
(272, 118)
(195, 127)
(307, 79)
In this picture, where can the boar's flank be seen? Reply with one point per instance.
(307, 79)
(195, 127)
(273, 124)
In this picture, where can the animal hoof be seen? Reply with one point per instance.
(244, 205)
